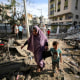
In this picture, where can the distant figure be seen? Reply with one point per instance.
(16, 31)
(44, 29)
(48, 33)
(20, 31)
(37, 43)
(56, 56)
(58, 28)
(77, 26)
(13, 29)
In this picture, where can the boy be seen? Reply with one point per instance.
(56, 55)
(48, 32)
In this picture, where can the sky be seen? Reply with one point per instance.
(34, 7)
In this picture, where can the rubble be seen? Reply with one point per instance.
(22, 64)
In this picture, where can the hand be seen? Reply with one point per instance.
(46, 47)
(22, 47)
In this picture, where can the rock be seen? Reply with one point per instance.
(21, 51)
(4, 78)
(28, 77)
(12, 78)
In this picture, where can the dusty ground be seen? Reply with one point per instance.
(47, 74)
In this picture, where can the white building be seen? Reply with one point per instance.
(64, 11)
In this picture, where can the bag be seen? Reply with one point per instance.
(46, 54)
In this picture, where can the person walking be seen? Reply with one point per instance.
(56, 56)
(44, 29)
(20, 31)
(37, 43)
(16, 31)
(48, 33)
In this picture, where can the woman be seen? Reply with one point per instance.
(37, 43)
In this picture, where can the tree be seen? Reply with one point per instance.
(13, 4)
(3, 11)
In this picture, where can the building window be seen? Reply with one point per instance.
(51, 1)
(66, 4)
(68, 16)
(51, 6)
(60, 18)
(55, 18)
(77, 16)
(59, 5)
(51, 12)
(59, 2)
(76, 6)
(58, 10)
(55, 5)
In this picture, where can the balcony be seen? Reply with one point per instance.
(51, 6)
(59, 0)
(51, 16)
(51, 2)
(76, 7)
(59, 3)
(66, 5)
(51, 9)
(68, 17)
(58, 10)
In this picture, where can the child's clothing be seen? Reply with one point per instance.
(48, 32)
(55, 57)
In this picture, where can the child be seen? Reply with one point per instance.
(48, 32)
(56, 55)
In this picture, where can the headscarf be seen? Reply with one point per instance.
(40, 39)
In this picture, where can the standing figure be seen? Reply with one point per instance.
(48, 33)
(20, 31)
(37, 43)
(44, 29)
(16, 31)
(56, 56)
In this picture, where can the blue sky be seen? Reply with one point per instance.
(41, 1)
(35, 1)
(33, 7)
(39, 4)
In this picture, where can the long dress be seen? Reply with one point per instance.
(36, 44)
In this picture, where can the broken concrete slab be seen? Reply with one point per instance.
(21, 51)
(12, 66)
(73, 68)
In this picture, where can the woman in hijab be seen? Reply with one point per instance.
(37, 43)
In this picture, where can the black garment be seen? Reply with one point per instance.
(46, 54)
(16, 36)
(26, 43)
(46, 44)
(20, 34)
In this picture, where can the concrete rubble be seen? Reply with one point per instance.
(17, 64)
